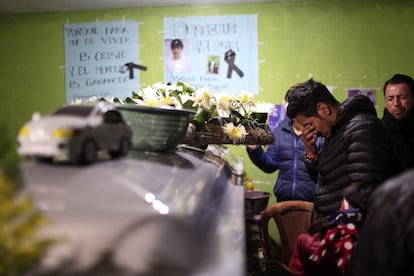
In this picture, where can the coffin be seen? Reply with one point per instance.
(151, 213)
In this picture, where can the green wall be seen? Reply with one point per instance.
(348, 43)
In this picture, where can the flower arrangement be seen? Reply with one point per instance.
(158, 95)
(231, 115)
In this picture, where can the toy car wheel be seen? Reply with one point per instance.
(89, 152)
(124, 146)
(43, 159)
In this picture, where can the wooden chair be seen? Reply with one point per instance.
(292, 218)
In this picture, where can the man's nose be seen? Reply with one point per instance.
(396, 101)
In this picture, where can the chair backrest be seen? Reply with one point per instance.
(292, 218)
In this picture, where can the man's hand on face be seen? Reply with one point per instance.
(309, 137)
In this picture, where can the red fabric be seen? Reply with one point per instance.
(328, 255)
(302, 265)
(339, 241)
(305, 245)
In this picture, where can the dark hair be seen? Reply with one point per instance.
(400, 78)
(305, 97)
(176, 43)
(290, 91)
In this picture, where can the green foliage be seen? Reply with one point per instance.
(8, 157)
(202, 116)
(21, 246)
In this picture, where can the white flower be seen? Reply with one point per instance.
(204, 99)
(170, 101)
(224, 105)
(159, 86)
(137, 101)
(235, 104)
(152, 102)
(149, 92)
(93, 99)
(263, 107)
(172, 88)
(161, 95)
(76, 101)
(112, 99)
(246, 103)
(236, 133)
(151, 97)
(247, 99)
(186, 97)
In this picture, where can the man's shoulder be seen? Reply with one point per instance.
(363, 120)
(365, 128)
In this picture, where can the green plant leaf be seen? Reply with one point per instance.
(129, 100)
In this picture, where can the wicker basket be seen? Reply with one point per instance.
(213, 134)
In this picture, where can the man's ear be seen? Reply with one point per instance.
(323, 109)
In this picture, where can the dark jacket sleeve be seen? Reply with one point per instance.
(370, 159)
(312, 167)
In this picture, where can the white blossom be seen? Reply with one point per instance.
(204, 99)
(236, 133)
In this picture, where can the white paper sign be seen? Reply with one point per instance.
(94, 57)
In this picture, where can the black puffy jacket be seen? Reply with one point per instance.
(402, 135)
(355, 159)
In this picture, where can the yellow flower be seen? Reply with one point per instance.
(234, 105)
(171, 101)
(247, 99)
(224, 106)
(224, 102)
(246, 103)
(236, 133)
(152, 102)
(204, 99)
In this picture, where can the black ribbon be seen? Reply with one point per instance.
(229, 57)
(131, 67)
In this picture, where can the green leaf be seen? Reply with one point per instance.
(188, 88)
(202, 116)
(129, 100)
(188, 104)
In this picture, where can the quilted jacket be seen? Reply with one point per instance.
(355, 159)
(286, 155)
(402, 134)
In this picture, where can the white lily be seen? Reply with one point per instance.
(204, 99)
(224, 105)
(236, 133)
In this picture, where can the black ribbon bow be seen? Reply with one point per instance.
(131, 66)
(229, 57)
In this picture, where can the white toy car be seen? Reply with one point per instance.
(76, 133)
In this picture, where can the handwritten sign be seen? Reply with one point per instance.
(216, 52)
(95, 54)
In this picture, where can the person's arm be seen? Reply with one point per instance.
(370, 160)
(266, 161)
